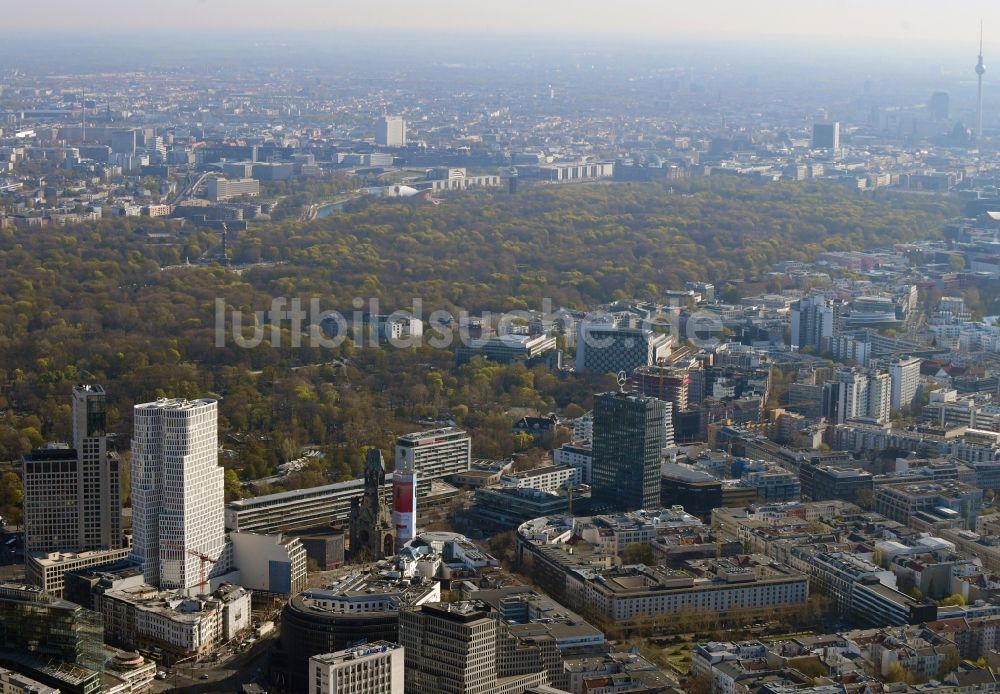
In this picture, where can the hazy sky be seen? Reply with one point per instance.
(916, 20)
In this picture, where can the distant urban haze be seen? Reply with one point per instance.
(892, 19)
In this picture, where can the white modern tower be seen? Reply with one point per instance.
(980, 69)
(178, 502)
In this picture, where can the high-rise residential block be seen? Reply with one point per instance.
(627, 447)
(905, 375)
(862, 394)
(178, 509)
(814, 321)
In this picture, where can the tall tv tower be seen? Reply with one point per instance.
(980, 69)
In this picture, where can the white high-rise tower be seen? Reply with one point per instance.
(980, 69)
(178, 501)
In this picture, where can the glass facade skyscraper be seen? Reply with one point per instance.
(628, 440)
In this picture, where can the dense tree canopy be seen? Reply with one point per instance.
(114, 303)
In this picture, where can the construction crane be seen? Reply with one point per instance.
(204, 559)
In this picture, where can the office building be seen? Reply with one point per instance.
(124, 142)
(374, 668)
(828, 482)
(905, 375)
(178, 505)
(296, 509)
(628, 441)
(528, 613)
(826, 136)
(390, 131)
(694, 489)
(466, 648)
(48, 570)
(82, 585)
(668, 425)
(511, 348)
(861, 590)
(606, 348)
(38, 625)
(51, 500)
(361, 607)
(72, 496)
(773, 483)
(923, 504)
(567, 171)
(100, 478)
(223, 188)
(508, 507)
(434, 454)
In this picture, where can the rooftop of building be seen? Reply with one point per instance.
(445, 544)
(174, 604)
(840, 472)
(51, 453)
(373, 648)
(295, 494)
(510, 340)
(461, 611)
(546, 616)
(686, 473)
(175, 404)
(523, 493)
(119, 569)
(849, 563)
(418, 437)
(51, 559)
(369, 585)
(22, 592)
(624, 581)
(539, 471)
(928, 488)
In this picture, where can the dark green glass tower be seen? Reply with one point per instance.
(628, 440)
